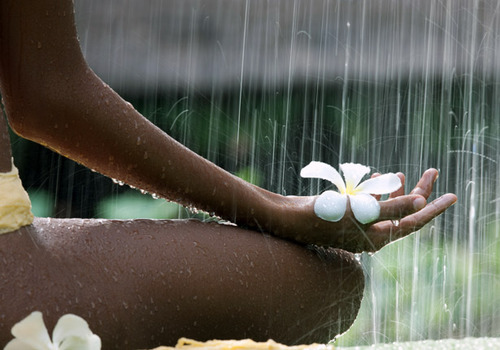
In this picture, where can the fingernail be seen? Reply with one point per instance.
(437, 175)
(419, 203)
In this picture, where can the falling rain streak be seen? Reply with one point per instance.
(263, 87)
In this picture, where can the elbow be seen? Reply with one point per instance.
(20, 115)
(14, 113)
(33, 107)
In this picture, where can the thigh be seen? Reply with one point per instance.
(143, 283)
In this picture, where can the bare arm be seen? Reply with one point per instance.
(52, 97)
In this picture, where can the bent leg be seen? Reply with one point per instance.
(144, 283)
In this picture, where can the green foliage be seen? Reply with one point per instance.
(42, 203)
(134, 205)
(424, 287)
(251, 175)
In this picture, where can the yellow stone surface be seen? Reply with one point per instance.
(244, 344)
(15, 205)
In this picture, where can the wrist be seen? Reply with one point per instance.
(258, 209)
(287, 216)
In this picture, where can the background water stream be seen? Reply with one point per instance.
(264, 87)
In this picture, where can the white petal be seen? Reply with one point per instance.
(320, 170)
(73, 332)
(353, 173)
(92, 342)
(16, 344)
(364, 207)
(330, 206)
(382, 184)
(32, 332)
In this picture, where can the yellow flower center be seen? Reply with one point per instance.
(350, 189)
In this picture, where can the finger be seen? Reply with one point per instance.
(399, 207)
(387, 231)
(426, 183)
(419, 219)
(401, 190)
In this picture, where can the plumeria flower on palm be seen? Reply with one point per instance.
(331, 205)
(70, 333)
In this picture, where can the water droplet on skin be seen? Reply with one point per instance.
(193, 210)
(118, 182)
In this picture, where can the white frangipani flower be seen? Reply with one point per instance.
(70, 333)
(331, 205)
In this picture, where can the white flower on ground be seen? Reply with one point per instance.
(70, 333)
(331, 205)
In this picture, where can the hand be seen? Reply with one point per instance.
(400, 215)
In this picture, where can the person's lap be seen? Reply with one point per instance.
(143, 283)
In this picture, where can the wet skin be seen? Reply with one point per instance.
(144, 283)
(6, 154)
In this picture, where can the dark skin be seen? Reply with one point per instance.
(52, 97)
(6, 155)
(355, 237)
(141, 283)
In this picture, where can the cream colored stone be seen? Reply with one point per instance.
(15, 205)
(245, 344)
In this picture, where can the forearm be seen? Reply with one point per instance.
(114, 139)
(52, 97)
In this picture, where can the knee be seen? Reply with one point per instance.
(338, 292)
